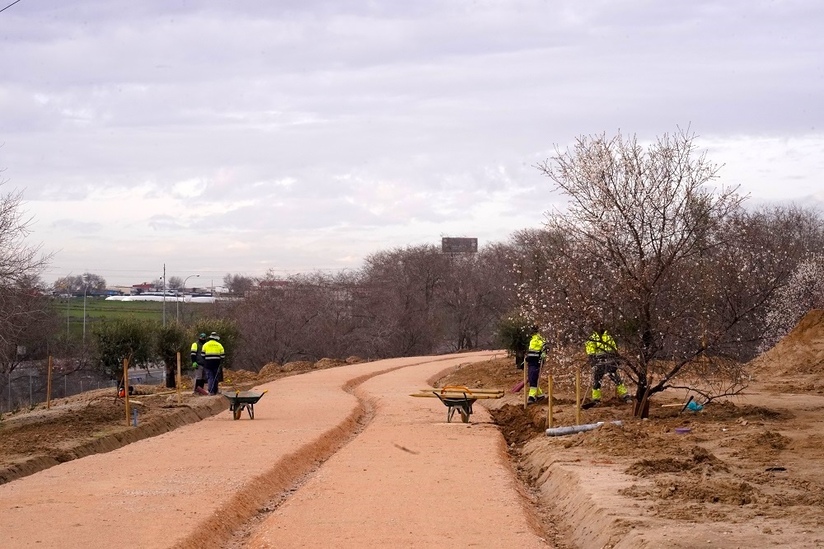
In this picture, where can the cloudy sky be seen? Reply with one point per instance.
(241, 136)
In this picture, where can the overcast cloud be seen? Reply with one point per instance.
(247, 135)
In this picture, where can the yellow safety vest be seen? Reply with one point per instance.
(598, 344)
(213, 353)
(536, 344)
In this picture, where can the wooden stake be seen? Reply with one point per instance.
(578, 396)
(179, 378)
(126, 387)
(549, 402)
(526, 388)
(48, 384)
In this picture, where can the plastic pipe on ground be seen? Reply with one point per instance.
(571, 429)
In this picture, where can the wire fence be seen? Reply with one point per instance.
(26, 388)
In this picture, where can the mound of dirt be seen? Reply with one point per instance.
(329, 363)
(685, 489)
(298, 366)
(493, 374)
(800, 352)
(239, 376)
(270, 369)
(700, 460)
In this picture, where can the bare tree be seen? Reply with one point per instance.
(18, 260)
(398, 303)
(305, 317)
(30, 323)
(332, 331)
(175, 283)
(238, 284)
(21, 302)
(473, 298)
(638, 241)
(78, 284)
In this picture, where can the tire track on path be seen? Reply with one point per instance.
(409, 479)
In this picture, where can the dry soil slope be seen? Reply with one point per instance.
(586, 489)
(799, 352)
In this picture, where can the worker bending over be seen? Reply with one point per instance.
(603, 357)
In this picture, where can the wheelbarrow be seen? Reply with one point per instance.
(243, 400)
(458, 398)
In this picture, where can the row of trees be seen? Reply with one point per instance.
(92, 283)
(145, 343)
(406, 301)
(79, 284)
(689, 281)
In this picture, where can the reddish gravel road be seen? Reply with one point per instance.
(340, 457)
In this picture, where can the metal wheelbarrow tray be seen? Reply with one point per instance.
(458, 398)
(240, 400)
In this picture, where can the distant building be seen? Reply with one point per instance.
(104, 293)
(138, 289)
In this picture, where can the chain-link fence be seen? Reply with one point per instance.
(25, 388)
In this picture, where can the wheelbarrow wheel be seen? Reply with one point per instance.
(464, 415)
(236, 412)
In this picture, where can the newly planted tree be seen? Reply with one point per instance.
(227, 330)
(123, 339)
(170, 340)
(513, 335)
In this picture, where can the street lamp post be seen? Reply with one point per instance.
(177, 297)
(85, 288)
(164, 295)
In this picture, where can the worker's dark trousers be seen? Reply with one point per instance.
(533, 363)
(604, 365)
(200, 377)
(211, 375)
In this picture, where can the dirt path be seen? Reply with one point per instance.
(342, 456)
(198, 485)
(409, 480)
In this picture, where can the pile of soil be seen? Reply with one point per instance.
(796, 362)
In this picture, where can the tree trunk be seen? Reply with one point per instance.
(171, 378)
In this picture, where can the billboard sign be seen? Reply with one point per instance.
(453, 245)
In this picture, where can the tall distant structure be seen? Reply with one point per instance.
(455, 245)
